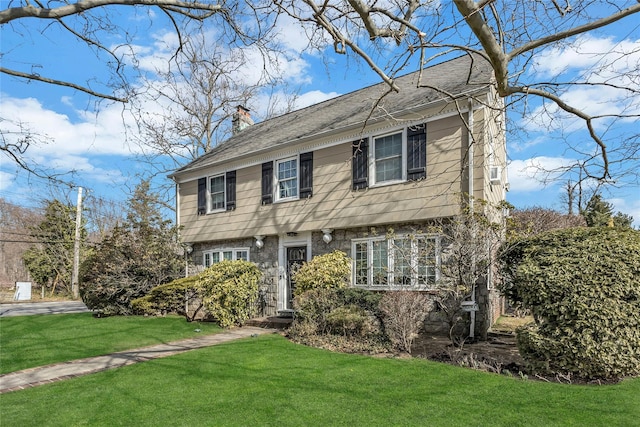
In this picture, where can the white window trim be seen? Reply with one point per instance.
(221, 251)
(276, 181)
(403, 160)
(391, 285)
(224, 193)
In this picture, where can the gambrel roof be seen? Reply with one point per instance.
(460, 77)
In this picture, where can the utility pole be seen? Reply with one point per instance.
(76, 248)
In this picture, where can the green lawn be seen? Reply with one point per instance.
(29, 341)
(268, 381)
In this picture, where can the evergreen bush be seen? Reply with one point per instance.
(229, 290)
(582, 286)
(332, 270)
(167, 298)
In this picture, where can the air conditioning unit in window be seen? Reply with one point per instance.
(495, 175)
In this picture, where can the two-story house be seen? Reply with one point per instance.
(343, 173)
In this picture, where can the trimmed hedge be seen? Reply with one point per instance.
(582, 286)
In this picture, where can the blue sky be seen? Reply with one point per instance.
(93, 138)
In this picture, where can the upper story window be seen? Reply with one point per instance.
(390, 158)
(217, 193)
(231, 254)
(285, 179)
(400, 262)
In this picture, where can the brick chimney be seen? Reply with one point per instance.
(241, 119)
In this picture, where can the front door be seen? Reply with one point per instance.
(295, 257)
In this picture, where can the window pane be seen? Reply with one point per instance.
(402, 262)
(380, 262)
(242, 255)
(287, 169)
(361, 264)
(287, 188)
(217, 192)
(426, 261)
(228, 255)
(207, 260)
(215, 257)
(388, 158)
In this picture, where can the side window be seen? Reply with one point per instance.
(391, 158)
(287, 178)
(228, 254)
(388, 158)
(217, 193)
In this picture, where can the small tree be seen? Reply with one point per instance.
(50, 261)
(137, 256)
(470, 241)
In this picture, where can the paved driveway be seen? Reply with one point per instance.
(30, 308)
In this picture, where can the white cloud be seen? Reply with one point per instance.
(609, 67)
(536, 173)
(6, 180)
(629, 206)
(94, 133)
(314, 97)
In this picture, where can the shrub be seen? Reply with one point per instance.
(349, 311)
(582, 286)
(332, 270)
(229, 290)
(168, 298)
(403, 316)
(312, 308)
(349, 320)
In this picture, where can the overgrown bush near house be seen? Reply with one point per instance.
(340, 319)
(169, 298)
(229, 290)
(348, 320)
(328, 271)
(312, 308)
(582, 286)
(403, 314)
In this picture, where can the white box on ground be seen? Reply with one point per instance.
(23, 291)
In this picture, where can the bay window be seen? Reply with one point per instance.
(399, 262)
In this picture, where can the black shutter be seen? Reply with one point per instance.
(360, 163)
(230, 182)
(417, 152)
(202, 196)
(306, 175)
(267, 183)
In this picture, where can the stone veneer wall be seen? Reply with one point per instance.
(490, 303)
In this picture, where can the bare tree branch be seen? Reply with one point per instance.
(177, 6)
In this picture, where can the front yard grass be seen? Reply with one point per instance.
(30, 341)
(269, 381)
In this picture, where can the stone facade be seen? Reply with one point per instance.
(267, 259)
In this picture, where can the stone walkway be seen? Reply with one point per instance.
(61, 371)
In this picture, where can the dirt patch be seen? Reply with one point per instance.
(498, 353)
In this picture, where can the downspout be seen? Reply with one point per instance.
(470, 154)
